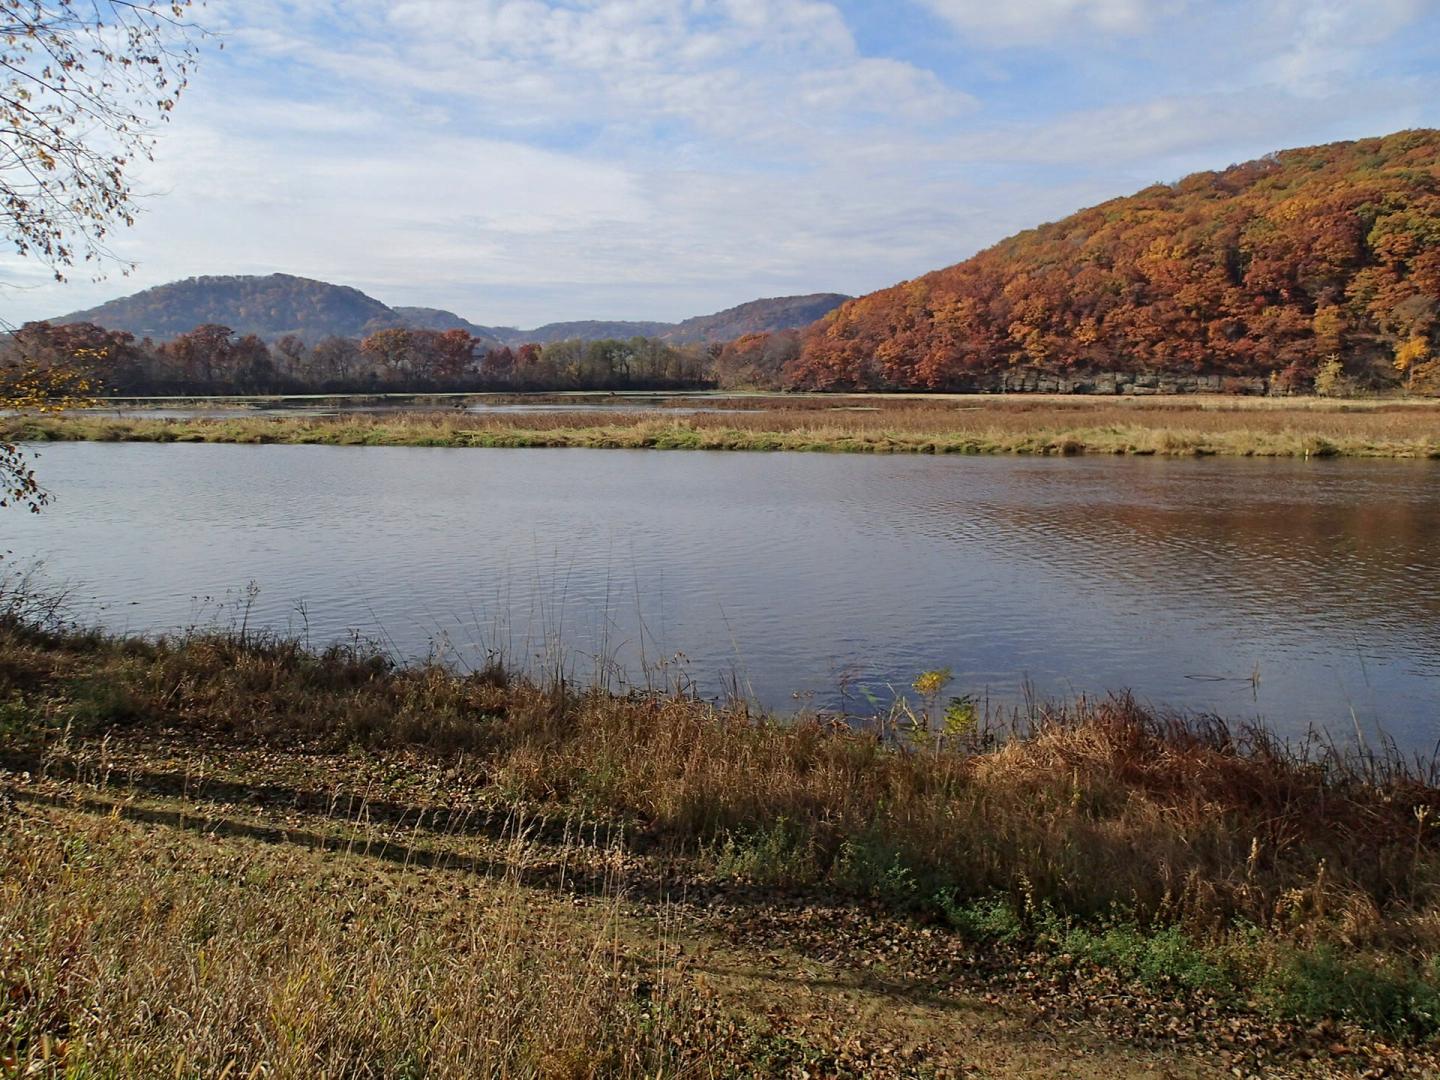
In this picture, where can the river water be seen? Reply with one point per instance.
(1305, 593)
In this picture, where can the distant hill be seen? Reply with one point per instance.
(279, 304)
(1325, 258)
(758, 316)
(270, 306)
(587, 330)
(424, 318)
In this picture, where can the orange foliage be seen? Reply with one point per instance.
(1265, 268)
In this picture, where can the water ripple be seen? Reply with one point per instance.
(815, 574)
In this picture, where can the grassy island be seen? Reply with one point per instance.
(1018, 424)
(230, 855)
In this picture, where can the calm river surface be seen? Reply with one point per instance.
(792, 574)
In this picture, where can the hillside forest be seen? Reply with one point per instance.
(1312, 264)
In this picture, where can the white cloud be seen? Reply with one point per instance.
(1017, 21)
(460, 146)
(1317, 40)
(521, 161)
(765, 71)
(1178, 134)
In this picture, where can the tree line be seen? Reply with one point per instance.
(214, 359)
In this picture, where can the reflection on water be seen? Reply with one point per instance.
(1306, 592)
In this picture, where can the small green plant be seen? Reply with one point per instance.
(929, 685)
(782, 854)
(962, 717)
(991, 920)
(19, 717)
(872, 866)
(1322, 983)
(1162, 958)
(774, 1054)
(98, 703)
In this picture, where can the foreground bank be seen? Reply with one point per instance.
(861, 424)
(227, 851)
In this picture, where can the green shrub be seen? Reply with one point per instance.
(871, 866)
(99, 703)
(993, 920)
(782, 854)
(1321, 982)
(1162, 958)
(19, 717)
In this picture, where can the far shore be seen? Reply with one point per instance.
(1176, 426)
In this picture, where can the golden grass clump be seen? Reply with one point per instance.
(129, 952)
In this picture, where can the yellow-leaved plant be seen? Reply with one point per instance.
(28, 386)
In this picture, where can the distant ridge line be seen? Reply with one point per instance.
(273, 306)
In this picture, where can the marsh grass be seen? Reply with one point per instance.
(1093, 805)
(129, 952)
(943, 425)
(1180, 851)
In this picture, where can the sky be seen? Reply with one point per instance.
(523, 161)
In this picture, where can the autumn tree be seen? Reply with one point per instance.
(84, 82)
(756, 361)
(452, 357)
(107, 354)
(336, 361)
(398, 354)
(200, 358)
(1419, 362)
(34, 386)
(498, 365)
(291, 355)
(251, 369)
